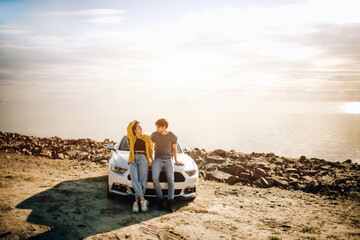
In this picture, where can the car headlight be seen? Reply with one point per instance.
(118, 169)
(191, 172)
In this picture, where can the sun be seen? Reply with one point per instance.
(351, 107)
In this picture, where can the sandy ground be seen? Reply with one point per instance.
(62, 199)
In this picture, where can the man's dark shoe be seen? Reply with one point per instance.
(162, 204)
(170, 205)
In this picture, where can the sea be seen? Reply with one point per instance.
(324, 130)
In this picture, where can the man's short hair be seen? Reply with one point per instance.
(162, 122)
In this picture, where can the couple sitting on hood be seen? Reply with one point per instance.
(141, 157)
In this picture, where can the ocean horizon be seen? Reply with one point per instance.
(316, 130)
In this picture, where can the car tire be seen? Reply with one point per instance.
(191, 199)
(183, 199)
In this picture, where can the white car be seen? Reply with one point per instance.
(119, 181)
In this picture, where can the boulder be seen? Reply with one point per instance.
(46, 153)
(281, 183)
(217, 176)
(302, 159)
(348, 161)
(231, 169)
(258, 173)
(264, 182)
(215, 159)
(219, 152)
(245, 175)
(240, 169)
(232, 180)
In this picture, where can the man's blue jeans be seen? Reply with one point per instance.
(139, 170)
(168, 166)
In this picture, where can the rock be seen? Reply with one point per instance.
(270, 155)
(46, 153)
(215, 159)
(258, 173)
(307, 178)
(312, 172)
(265, 166)
(217, 176)
(244, 181)
(292, 170)
(264, 182)
(231, 169)
(232, 180)
(281, 183)
(290, 188)
(239, 170)
(302, 159)
(295, 175)
(219, 152)
(245, 175)
(348, 161)
(321, 173)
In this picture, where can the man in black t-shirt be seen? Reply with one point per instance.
(165, 149)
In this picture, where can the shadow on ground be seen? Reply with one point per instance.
(79, 208)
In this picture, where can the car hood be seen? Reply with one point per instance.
(120, 158)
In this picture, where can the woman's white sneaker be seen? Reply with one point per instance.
(144, 205)
(135, 207)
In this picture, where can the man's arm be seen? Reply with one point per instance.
(174, 150)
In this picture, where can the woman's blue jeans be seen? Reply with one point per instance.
(139, 170)
(168, 166)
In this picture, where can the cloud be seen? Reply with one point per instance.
(98, 16)
(265, 51)
(105, 20)
(87, 12)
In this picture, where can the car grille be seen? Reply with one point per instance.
(178, 177)
(120, 188)
(153, 192)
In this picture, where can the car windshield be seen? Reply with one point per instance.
(125, 147)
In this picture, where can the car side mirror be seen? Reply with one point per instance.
(187, 150)
(110, 146)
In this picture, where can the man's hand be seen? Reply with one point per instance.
(179, 163)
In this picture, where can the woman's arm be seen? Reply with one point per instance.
(129, 129)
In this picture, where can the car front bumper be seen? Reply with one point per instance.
(122, 185)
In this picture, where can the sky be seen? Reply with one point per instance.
(105, 60)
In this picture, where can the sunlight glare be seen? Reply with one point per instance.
(352, 108)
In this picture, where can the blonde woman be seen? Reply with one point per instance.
(140, 158)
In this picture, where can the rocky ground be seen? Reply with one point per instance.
(56, 148)
(268, 170)
(45, 195)
(261, 170)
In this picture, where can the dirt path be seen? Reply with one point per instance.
(61, 199)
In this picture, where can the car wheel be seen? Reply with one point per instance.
(109, 194)
(191, 199)
(183, 199)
